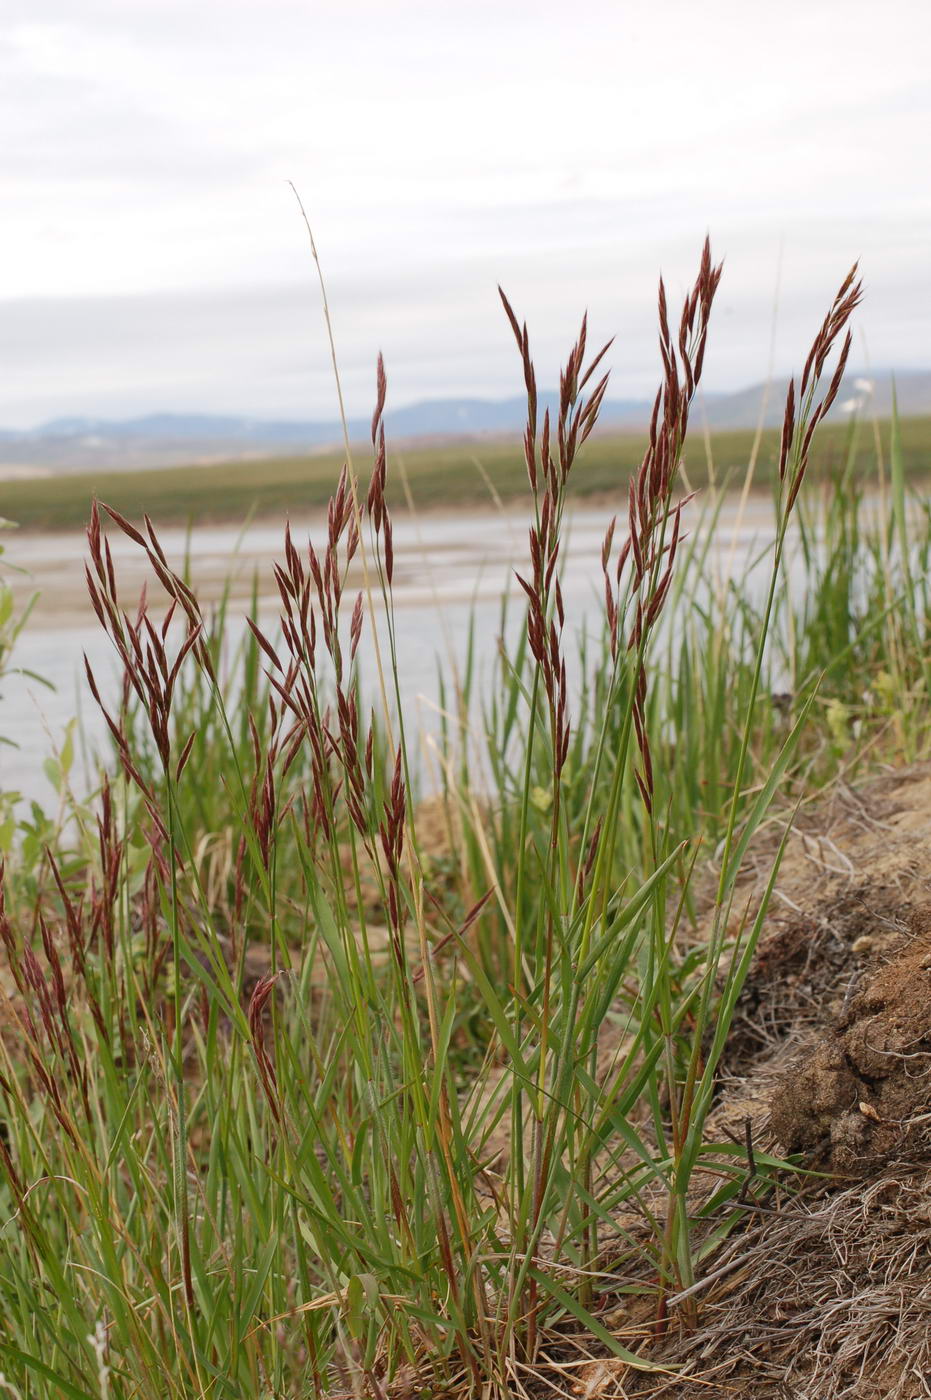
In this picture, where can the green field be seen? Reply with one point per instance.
(443, 475)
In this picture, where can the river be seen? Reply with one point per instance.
(450, 571)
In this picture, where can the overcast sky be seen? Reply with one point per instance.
(153, 257)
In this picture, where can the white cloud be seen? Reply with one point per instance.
(439, 148)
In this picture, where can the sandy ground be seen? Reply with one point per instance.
(440, 552)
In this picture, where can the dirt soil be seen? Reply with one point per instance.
(826, 1292)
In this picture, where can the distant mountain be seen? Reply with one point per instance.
(864, 392)
(165, 439)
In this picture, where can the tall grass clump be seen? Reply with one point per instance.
(289, 1109)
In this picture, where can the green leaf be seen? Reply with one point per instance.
(66, 757)
(575, 1309)
(32, 1363)
(250, 1302)
(630, 911)
(764, 798)
(362, 1299)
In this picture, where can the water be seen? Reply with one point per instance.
(450, 573)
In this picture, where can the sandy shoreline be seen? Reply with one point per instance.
(441, 554)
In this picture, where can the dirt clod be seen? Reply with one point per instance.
(862, 1093)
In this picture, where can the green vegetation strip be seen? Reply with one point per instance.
(438, 475)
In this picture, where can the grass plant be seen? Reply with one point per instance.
(295, 1104)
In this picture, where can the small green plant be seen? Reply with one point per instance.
(13, 620)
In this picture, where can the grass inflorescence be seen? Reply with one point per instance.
(297, 1101)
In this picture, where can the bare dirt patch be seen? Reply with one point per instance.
(825, 1294)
